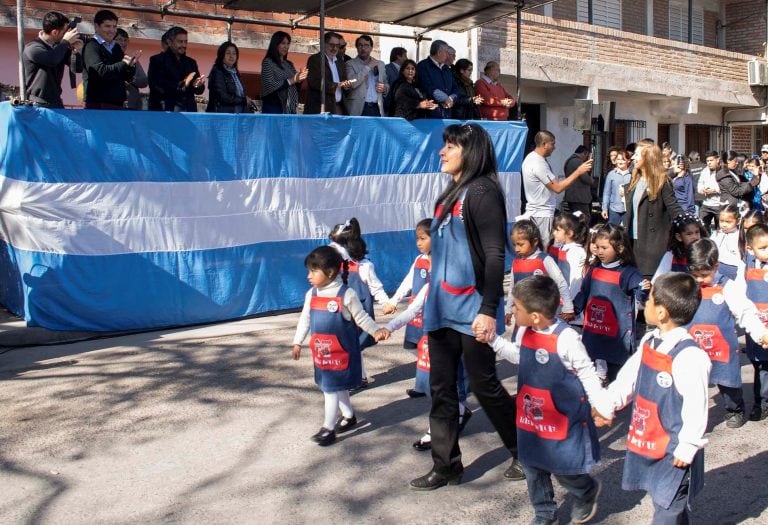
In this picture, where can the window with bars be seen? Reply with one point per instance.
(605, 13)
(678, 23)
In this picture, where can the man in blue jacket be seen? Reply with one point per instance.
(436, 80)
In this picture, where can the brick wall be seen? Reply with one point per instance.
(745, 26)
(634, 16)
(741, 139)
(564, 10)
(661, 18)
(561, 38)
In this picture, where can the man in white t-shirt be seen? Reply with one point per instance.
(541, 184)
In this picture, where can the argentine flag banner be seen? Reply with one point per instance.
(122, 220)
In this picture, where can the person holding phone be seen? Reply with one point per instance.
(44, 59)
(578, 196)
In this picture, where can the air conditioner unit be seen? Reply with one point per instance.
(757, 71)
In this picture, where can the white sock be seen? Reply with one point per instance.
(462, 409)
(362, 367)
(331, 409)
(345, 403)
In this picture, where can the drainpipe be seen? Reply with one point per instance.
(20, 35)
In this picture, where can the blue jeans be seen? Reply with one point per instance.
(677, 513)
(542, 493)
(616, 217)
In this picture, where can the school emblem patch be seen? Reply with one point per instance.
(664, 379)
(333, 306)
(542, 356)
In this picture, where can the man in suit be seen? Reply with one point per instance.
(174, 79)
(365, 97)
(335, 78)
(397, 56)
(436, 80)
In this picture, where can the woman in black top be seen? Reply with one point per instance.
(279, 79)
(468, 243)
(226, 92)
(408, 101)
(466, 106)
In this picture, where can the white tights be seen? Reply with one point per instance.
(335, 401)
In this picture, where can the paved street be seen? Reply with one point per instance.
(211, 425)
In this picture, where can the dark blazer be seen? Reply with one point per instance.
(166, 82)
(105, 74)
(654, 219)
(433, 79)
(314, 98)
(222, 93)
(406, 101)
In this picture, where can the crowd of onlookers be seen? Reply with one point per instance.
(437, 87)
(702, 184)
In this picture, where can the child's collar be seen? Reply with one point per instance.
(613, 264)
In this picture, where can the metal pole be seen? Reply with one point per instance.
(690, 21)
(590, 15)
(229, 31)
(519, 73)
(20, 35)
(323, 57)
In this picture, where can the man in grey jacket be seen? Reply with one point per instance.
(369, 81)
(44, 59)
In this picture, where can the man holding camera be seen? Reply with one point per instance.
(107, 68)
(44, 58)
(369, 81)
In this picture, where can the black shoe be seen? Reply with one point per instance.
(434, 480)
(414, 393)
(734, 419)
(543, 521)
(422, 445)
(758, 413)
(345, 424)
(464, 418)
(324, 437)
(363, 384)
(515, 471)
(585, 511)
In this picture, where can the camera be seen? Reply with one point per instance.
(73, 23)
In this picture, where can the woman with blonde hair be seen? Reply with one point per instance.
(651, 205)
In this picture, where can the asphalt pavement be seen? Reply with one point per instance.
(211, 424)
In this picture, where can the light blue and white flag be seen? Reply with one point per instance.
(129, 220)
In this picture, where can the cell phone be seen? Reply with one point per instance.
(352, 80)
(73, 23)
(592, 153)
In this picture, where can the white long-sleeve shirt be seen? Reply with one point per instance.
(352, 309)
(708, 180)
(665, 265)
(744, 311)
(553, 270)
(728, 248)
(410, 313)
(690, 373)
(406, 286)
(574, 357)
(576, 257)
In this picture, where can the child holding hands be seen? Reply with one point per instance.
(666, 382)
(555, 431)
(332, 314)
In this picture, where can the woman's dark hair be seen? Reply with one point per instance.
(477, 160)
(349, 236)
(619, 239)
(752, 215)
(702, 255)
(277, 39)
(574, 223)
(679, 225)
(425, 225)
(222, 50)
(325, 259)
(529, 231)
(399, 82)
(460, 65)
